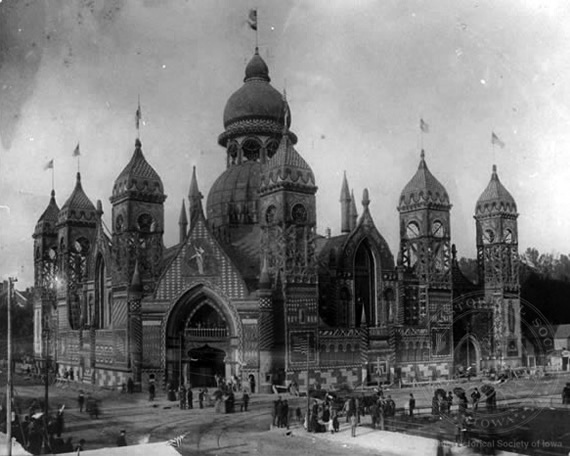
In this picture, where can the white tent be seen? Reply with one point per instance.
(156, 449)
(17, 449)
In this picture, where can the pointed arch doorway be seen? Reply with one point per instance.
(467, 354)
(200, 340)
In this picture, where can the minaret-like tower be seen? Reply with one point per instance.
(135, 295)
(77, 226)
(266, 330)
(425, 260)
(195, 199)
(345, 200)
(498, 261)
(288, 220)
(46, 267)
(138, 222)
(182, 223)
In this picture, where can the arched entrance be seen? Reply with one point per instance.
(467, 354)
(364, 285)
(200, 341)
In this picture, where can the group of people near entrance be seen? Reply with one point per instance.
(322, 418)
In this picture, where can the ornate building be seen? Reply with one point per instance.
(251, 289)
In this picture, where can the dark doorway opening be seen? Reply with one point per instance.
(205, 363)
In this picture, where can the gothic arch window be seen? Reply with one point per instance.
(251, 149)
(508, 236)
(365, 285)
(299, 213)
(101, 311)
(412, 230)
(389, 300)
(488, 236)
(119, 223)
(232, 152)
(145, 222)
(343, 314)
(271, 215)
(272, 146)
(437, 229)
(301, 315)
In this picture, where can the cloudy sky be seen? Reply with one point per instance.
(359, 75)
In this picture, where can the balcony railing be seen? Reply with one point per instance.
(207, 333)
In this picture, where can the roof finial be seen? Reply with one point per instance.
(365, 199)
(494, 169)
(422, 155)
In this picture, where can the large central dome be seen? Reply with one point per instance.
(255, 107)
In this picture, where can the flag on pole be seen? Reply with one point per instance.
(252, 19)
(424, 127)
(138, 116)
(496, 141)
(176, 441)
(76, 152)
(49, 165)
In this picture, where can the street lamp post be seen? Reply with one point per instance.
(11, 280)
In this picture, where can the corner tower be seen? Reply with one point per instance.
(498, 263)
(425, 265)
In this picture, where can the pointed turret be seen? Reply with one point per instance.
(78, 207)
(495, 199)
(183, 222)
(47, 221)
(195, 199)
(345, 206)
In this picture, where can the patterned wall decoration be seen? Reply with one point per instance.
(250, 344)
(152, 345)
(183, 271)
(119, 313)
(68, 346)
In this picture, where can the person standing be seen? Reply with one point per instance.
(190, 397)
(353, 424)
(475, 396)
(245, 399)
(151, 391)
(122, 439)
(130, 386)
(81, 400)
(412, 404)
(285, 414)
(182, 397)
(201, 398)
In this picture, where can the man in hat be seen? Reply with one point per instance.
(122, 439)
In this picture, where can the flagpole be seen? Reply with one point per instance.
(256, 28)
(53, 177)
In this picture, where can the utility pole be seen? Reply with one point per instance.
(11, 280)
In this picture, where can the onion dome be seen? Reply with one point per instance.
(495, 199)
(423, 190)
(138, 179)
(287, 168)
(257, 107)
(234, 197)
(78, 207)
(48, 220)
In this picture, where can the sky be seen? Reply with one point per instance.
(359, 75)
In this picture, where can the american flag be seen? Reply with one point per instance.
(176, 441)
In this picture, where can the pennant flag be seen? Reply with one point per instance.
(76, 152)
(176, 441)
(424, 127)
(496, 141)
(49, 165)
(138, 116)
(252, 19)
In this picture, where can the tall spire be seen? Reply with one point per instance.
(345, 206)
(136, 287)
(353, 211)
(183, 222)
(195, 198)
